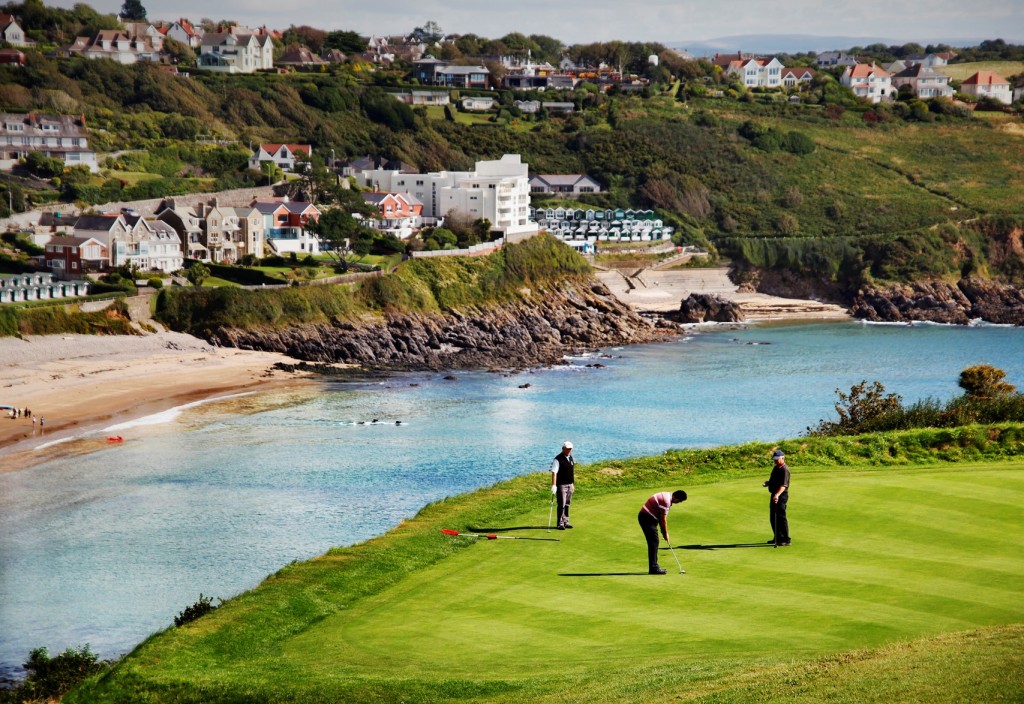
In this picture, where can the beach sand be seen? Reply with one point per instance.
(660, 291)
(87, 382)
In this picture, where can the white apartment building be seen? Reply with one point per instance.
(497, 190)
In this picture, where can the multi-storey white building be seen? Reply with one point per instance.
(498, 191)
(236, 53)
(56, 136)
(988, 84)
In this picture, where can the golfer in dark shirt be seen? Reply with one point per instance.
(778, 489)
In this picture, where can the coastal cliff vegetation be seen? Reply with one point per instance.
(419, 285)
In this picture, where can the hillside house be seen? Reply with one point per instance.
(758, 73)
(70, 256)
(114, 45)
(923, 81)
(61, 137)
(183, 32)
(868, 81)
(284, 226)
(988, 84)
(12, 33)
(564, 183)
(829, 59)
(463, 77)
(236, 53)
(399, 214)
(477, 104)
(423, 97)
(283, 155)
(300, 57)
(793, 77)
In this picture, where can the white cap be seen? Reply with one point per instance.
(566, 445)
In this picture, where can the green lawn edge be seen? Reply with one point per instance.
(203, 661)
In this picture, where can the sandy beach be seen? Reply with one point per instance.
(82, 382)
(659, 291)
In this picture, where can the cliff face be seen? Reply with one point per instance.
(538, 328)
(942, 302)
(937, 301)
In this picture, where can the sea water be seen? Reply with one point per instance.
(108, 546)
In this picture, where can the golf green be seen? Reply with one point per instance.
(878, 556)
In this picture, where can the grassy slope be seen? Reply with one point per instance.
(961, 71)
(881, 556)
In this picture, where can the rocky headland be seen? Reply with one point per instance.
(539, 327)
(941, 302)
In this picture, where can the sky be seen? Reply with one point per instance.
(671, 22)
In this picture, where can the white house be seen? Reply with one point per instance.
(478, 104)
(115, 45)
(564, 183)
(792, 77)
(868, 81)
(11, 32)
(284, 155)
(284, 226)
(758, 73)
(498, 191)
(57, 136)
(988, 84)
(184, 32)
(923, 81)
(236, 53)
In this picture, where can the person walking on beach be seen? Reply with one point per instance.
(563, 482)
(654, 515)
(778, 489)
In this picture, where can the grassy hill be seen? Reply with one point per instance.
(1005, 69)
(902, 584)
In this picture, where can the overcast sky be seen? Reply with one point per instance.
(583, 21)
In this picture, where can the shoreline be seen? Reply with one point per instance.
(661, 291)
(82, 384)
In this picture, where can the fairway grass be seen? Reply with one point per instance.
(902, 584)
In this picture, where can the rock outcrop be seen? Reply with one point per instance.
(538, 328)
(941, 302)
(706, 308)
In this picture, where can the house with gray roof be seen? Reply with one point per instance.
(564, 183)
(923, 81)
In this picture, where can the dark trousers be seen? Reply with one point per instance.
(649, 525)
(777, 516)
(564, 495)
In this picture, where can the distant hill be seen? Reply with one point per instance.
(795, 43)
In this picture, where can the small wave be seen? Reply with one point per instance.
(58, 441)
(170, 414)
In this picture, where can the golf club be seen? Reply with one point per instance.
(681, 570)
(551, 509)
(492, 536)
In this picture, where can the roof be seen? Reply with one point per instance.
(101, 223)
(463, 70)
(300, 55)
(865, 70)
(293, 148)
(68, 241)
(920, 71)
(986, 78)
(562, 179)
(799, 71)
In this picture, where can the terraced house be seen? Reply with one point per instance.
(61, 137)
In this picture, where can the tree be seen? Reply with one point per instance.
(860, 410)
(197, 274)
(341, 236)
(133, 10)
(985, 381)
(430, 32)
(346, 41)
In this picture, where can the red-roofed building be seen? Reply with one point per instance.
(988, 84)
(401, 214)
(868, 81)
(283, 155)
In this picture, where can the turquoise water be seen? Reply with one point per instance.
(107, 547)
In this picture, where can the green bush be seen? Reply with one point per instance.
(196, 610)
(51, 678)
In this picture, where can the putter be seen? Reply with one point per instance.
(681, 570)
(551, 509)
